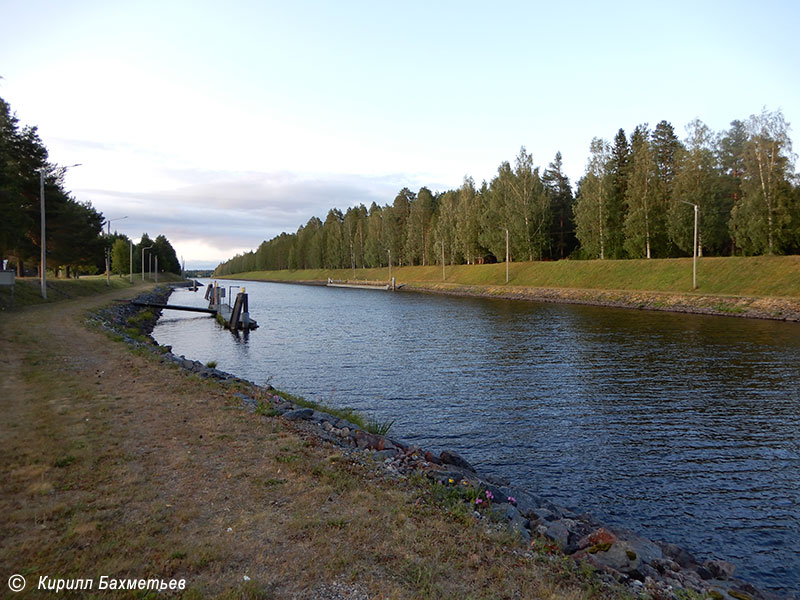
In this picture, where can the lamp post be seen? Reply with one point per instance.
(506, 254)
(444, 275)
(42, 171)
(694, 247)
(506, 230)
(108, 250)
(143, 251)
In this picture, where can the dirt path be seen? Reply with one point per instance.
(114, 465)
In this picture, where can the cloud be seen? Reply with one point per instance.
(215, 215)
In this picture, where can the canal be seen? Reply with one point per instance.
(684, 428)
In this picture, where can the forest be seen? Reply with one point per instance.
(634, 200)
(76, 242)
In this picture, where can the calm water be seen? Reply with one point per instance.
(683, 428)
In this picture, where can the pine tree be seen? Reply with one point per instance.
(618, 170)
(562, 231)
(665, 146)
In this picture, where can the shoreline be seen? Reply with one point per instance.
(748, 307)
(626, 558)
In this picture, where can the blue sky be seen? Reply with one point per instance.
(223, 124)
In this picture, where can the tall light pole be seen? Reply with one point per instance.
(444, 276)
(506, 254)
(143, 251)
(506, 230)
(43, 260)
(108, 250)
(694, 248)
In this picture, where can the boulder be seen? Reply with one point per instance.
(369, 441)
(555, 531)
(618, 557)
(298, 414)
(720, 569)
(679, 555)
(449, 457)
(600, 539)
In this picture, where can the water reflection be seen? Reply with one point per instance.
(682, 427)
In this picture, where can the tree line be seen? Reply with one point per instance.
(631, 202)
(75, 240)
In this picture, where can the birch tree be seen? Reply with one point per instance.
(697, 181)
(590, 209)
(640, 196)
(531, 205)
(761, 219)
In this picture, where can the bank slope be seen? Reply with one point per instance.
(759, 286)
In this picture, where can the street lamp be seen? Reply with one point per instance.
(694, 248)
(506, 230)
(506, 254)
(43, 260)
(108, 250)
(143, 251)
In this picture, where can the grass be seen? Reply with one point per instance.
(738, 276)
(28, 291)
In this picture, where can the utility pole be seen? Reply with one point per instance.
(694, 246)
(43, 259)
(444, 277)
(506, 254)
(143, 251)
(108, 250)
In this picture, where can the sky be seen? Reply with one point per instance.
(222, 124)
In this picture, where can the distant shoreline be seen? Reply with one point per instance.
(751, 307)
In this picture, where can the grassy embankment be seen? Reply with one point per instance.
(28, 291)
(114, 464)
(736, 276)
(761, 287)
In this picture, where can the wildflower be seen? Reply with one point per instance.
(512, 500)
(451, 480)
(478, 501)
(489, 495)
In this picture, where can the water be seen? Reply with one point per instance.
(683, 428)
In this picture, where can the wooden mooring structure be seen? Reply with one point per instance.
(234, 317)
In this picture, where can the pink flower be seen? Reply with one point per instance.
(478, 501)
(489, 495)
(512, 500)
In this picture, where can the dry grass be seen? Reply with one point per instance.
(115, 465)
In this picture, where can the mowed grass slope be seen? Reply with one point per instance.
(736, 276)
(28, 291)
